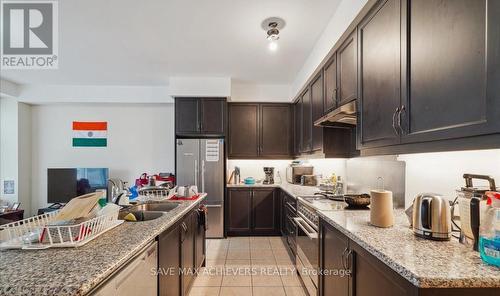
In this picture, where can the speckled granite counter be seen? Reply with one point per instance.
(69, 271)
(425, 263)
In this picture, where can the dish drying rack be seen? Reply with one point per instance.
(41, 232)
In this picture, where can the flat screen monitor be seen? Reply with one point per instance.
(63, 184)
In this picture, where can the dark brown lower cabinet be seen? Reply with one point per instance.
(187, 252)
(181, 251)
(253, 211)
(333, 246)
(266, 211)
(368, 275)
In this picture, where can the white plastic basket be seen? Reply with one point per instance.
(37, 233)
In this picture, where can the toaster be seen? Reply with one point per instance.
(432, 217)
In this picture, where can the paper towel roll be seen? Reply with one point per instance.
(381, 208)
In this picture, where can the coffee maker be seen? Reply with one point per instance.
(269, 175)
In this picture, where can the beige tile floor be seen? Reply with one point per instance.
(245, 266)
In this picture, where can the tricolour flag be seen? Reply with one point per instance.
(90, 134)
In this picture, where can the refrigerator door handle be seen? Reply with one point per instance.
(195, 172)
(203, 176)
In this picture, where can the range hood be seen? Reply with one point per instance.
(345, 114)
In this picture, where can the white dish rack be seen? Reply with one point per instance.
(38, 233)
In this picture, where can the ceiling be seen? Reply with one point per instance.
(131, 42)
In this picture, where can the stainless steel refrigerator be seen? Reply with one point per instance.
(200, 162)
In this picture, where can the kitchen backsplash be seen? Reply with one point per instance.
(253, 167)
(442, 172)
(406, 175)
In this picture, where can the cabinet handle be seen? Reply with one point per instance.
(348, 259)
(394, 116)
(403, 109)
(343, 258)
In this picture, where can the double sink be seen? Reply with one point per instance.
(149, 211)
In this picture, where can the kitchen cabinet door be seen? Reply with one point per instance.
(187, 252)
(333, 247)
(200, 245)
(169, 262)
(453, 75)
(306, 143)
(298, 126)
(379, 37)
(243, 130)
(374, 278)
(239, 211)
(275, 130)
(265, 207)
(330, 78)
(187, 116)
(213, 116)
(347, 70)
(317, 101)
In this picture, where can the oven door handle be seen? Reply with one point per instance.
(310, 232)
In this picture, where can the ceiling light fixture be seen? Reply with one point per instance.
(272, 26)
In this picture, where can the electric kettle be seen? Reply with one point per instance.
(432, 217)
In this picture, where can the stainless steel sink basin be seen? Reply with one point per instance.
(141, 215)
(157, 206)
(149, 211)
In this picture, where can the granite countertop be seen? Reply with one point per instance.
(425, 263)
(76, 271)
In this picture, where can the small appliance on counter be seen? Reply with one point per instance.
(308, 180)
(269, 176)
(472, 206)
(295, 171)
(432, 217)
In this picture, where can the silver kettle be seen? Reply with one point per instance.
(432, 216)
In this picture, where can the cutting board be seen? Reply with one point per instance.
(79, 207)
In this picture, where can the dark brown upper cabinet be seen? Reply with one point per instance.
(379, 79)
(200, 116)
(298, 126)
(347, 70)
(307, 124)
(330, 80)
(317, 101)
(260, 130)
(276, 130)
(454, 73)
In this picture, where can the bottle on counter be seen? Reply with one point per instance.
(489, 231)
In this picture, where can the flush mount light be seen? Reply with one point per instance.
(272, 26)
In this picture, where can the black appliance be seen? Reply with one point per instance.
(63, 184)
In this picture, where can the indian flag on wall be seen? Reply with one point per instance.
(90, 134)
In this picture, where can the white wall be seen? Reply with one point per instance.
(9, 146)
(24, 155)
(140, 139)
(442, 172)
(341, 19)
(250, 92)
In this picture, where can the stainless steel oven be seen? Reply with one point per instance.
(291, 226)
(307, 240)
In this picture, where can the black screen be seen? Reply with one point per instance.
(63, 184)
